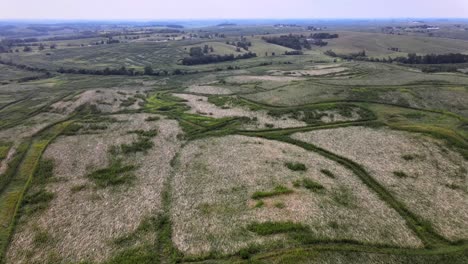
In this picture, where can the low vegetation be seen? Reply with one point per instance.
(115, 174)
(278, 190)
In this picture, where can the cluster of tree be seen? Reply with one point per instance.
(412, 58)
(243, 43)
(318, 42)
(439, 68)
(353, 56)
(294, 52)
(205, 59)
(112, 41)
(22, 66)
(107, 71)
(296, 42)
(394, 49)
(324, 36)
(226, 25)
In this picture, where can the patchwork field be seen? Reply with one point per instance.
(325, 197)
(430, 178)
(112, 151)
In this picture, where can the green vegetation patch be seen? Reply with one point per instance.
(312, 185)
(115, 174)
(4, 149)
(37, 201)
(145, 133)
(278, 190)
(296, 166)
(328, 173)
(271, 228)
(141, 145)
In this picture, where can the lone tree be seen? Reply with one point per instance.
(148, 70)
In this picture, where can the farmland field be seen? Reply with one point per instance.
(228, 144)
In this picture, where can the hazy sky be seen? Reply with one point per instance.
(204, 9)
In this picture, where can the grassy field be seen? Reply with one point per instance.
(273, 159)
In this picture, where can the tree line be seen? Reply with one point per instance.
(206, 59)
(298, 42)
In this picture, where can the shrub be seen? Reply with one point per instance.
(312, 185)
(259, 204)
(143, 133)
(270, 228)
(408, 157)
(152, 118)
(277, 191)
(344, 197)
(37, 201)
(400, 174)
(116, 174)
(328, 173)
(142, 144)
(280, 205)
(295, 166)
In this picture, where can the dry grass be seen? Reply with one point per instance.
(29, 127)
(83, 221)
(208, 89)
(106, 100)
(314, 71)
(335, 116)
(4, 162)
(216, 178)
(253, 78)
(436, 183)
(200, 105)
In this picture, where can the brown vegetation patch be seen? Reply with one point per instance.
(83, 220)
(106, 100)
(208, 89)
(260, 119)
(29, 127)
(252, 78)
(429, 178)
(216, 179)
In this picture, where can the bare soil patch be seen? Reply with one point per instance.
(421, 172)
(217, 177)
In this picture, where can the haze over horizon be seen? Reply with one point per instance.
(241, 9)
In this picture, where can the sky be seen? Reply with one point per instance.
(232, 9)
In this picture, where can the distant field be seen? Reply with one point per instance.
(376, 44)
